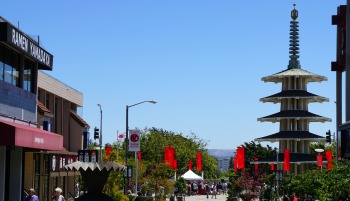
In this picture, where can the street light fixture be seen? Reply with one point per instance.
(100, 132)
(127, 137)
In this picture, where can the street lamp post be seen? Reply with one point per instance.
(127, 138)
(100, 132)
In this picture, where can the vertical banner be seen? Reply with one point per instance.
(286, 165)
(199, 161)
(134, 142)
(86, 156)
(169, 156)
(240, 158)
(93, 157)
(319, 160)
(175, 165)
(272, 166)
(190, 165)
(329, 158)
(54, 167)
(81, 155)
(256, 166)
(108, 150)
(139, 158)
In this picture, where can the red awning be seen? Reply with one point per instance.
(13, 134)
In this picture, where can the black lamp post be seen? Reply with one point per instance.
(127, 138)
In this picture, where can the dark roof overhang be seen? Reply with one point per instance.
(291, 135)
(298, 94)
(294, 114)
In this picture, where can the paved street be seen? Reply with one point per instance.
(204, 197)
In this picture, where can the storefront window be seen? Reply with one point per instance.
(37, 173)
(63, 185)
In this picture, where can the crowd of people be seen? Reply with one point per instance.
(56, 197)
(206, 188)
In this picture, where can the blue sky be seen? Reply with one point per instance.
(202, 60)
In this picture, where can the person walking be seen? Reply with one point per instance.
(214, 187)
(207, 189)
(58, 196)
(31, 195)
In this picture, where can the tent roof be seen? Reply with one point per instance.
(189, 175)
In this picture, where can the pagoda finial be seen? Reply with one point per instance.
(294, 13)
(294, 41)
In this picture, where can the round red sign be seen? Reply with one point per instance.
(134, 137)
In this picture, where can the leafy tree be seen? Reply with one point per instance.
(156, 179)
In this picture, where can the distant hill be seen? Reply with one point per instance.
(221, 153)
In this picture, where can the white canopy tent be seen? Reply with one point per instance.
(189, 175)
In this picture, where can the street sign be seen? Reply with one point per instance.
(134, 142)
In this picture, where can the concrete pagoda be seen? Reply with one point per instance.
(294, 117)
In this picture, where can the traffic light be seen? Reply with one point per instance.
(328, 136)
(96, 133)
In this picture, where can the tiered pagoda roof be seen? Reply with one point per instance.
(294, 117)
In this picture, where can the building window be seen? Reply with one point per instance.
(28, 75)
(10, 69)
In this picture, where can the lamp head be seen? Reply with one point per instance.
(98, 105)
(319, 150)
(153, 101)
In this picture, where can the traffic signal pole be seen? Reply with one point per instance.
(347, 85)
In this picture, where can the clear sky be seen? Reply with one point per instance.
(202, 60)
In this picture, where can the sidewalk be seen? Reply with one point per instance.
(204, 197)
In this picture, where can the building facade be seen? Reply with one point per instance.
(224, 164)
(40, 128)
(294, 117)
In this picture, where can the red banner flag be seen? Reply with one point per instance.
(108, 150)
(199, 161)
(240, 158)
(272, 166)
(190, 165)
(169, 156)
(235, 164)
(286, 165)
(329, 166)
(175, 165)
(256, 166)
(329, 156)
(139, 157)
(319, 160)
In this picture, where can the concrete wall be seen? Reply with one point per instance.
(58, 88)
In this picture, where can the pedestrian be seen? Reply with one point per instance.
(214, 187)
(224, 187)
(139, 196)
(31, 195)
(306, 198)
(293, 197)
(189, 188)
(207, 189)
(58, 196)
(200, 187)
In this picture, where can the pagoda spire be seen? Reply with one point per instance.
(294, 41)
